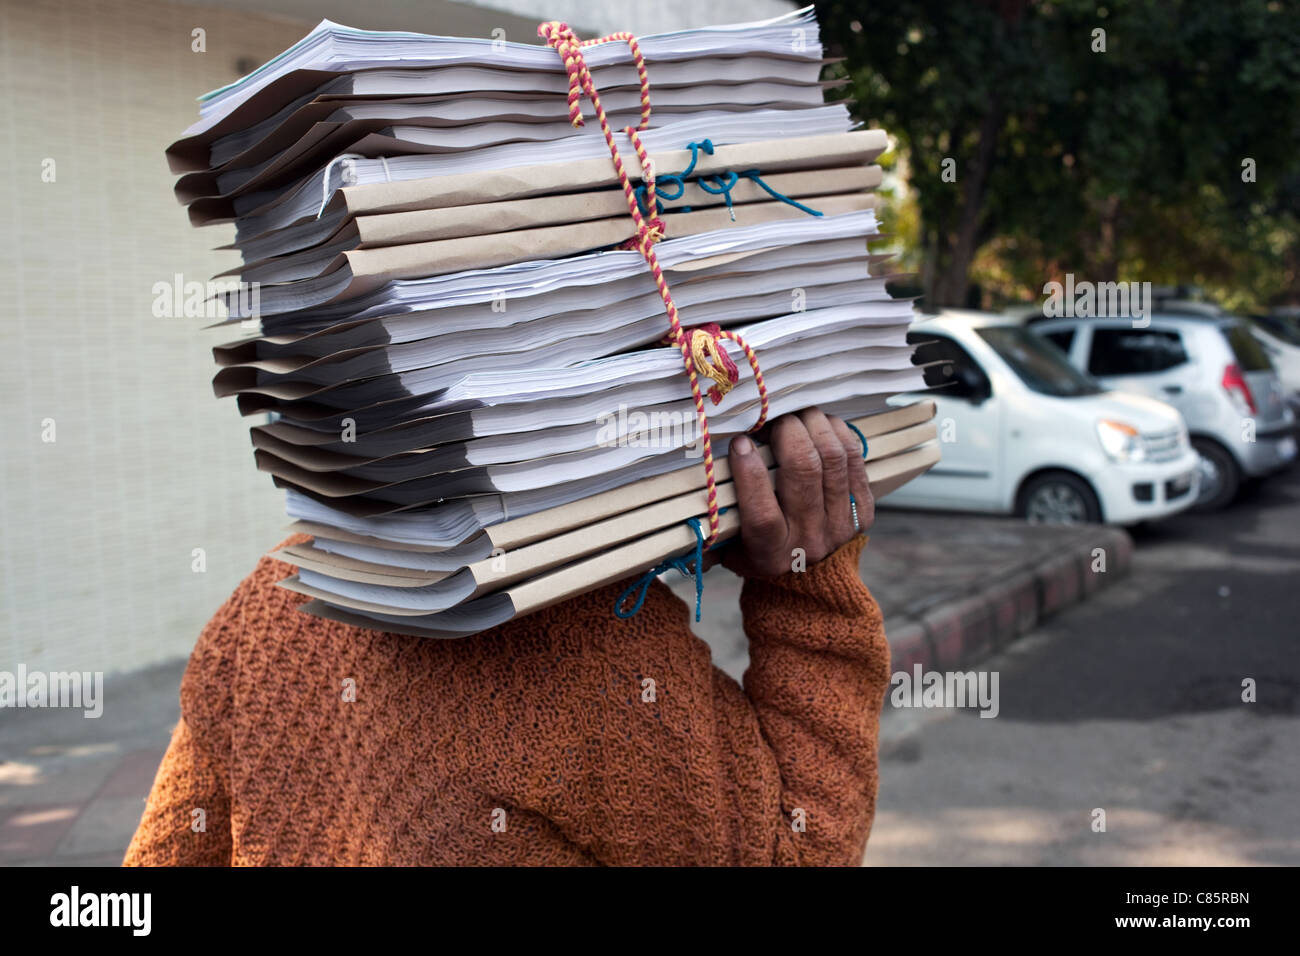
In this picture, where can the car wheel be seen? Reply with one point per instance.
(1058, 497)
(1220, 475)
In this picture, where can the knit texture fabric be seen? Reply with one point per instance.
(564, 737)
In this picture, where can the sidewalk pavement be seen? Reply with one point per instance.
(952, 588)
(72, 788)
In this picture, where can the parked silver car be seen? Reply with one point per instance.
(1211, 369)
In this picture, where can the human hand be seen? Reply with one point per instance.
(818, 464)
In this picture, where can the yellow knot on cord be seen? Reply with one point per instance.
(713, 363)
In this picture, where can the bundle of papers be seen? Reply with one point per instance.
(471, 403)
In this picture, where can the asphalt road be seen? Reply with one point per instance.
(1131, 703)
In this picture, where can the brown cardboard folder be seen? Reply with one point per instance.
(564, 551)
(587, 574)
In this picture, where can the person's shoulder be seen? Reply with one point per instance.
(593, 615)
(248, 615)
(598, 645)
(269, 571)
(256, 596)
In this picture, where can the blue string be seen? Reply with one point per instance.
(681, 563)
(718, 184)
(752, 175)
(861, 437)
(665, 182)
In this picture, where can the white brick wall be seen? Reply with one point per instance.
(97, 529)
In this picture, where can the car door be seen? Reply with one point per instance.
(1153, 361)
(968, 419)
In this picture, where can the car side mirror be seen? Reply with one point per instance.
(974, 386)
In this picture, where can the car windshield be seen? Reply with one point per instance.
(1039, 363)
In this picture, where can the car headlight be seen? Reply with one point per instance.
(1120, 441)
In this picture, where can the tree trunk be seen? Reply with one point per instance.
(1106, 267)
(956, 254)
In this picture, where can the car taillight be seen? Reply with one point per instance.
(1235, 382)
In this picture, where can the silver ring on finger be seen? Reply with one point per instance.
(857, 525)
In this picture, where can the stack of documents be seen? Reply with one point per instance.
(461, 368)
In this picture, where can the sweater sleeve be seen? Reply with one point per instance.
(781, 771)
(186, 821)
(819, 670)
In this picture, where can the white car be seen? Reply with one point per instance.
(1207, 365)
(1280, 338)
(1024, 432)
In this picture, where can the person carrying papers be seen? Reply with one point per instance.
(567, 737)
(521, 330)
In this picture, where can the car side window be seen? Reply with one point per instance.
(957, 374)
(1134, 351)
(1061, 338)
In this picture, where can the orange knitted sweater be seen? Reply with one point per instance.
(539, 742)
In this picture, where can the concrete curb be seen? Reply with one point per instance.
(966, 628)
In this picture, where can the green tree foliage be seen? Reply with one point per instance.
(1106, 140)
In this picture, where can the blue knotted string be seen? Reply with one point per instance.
(718, 184)
(681, 563)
